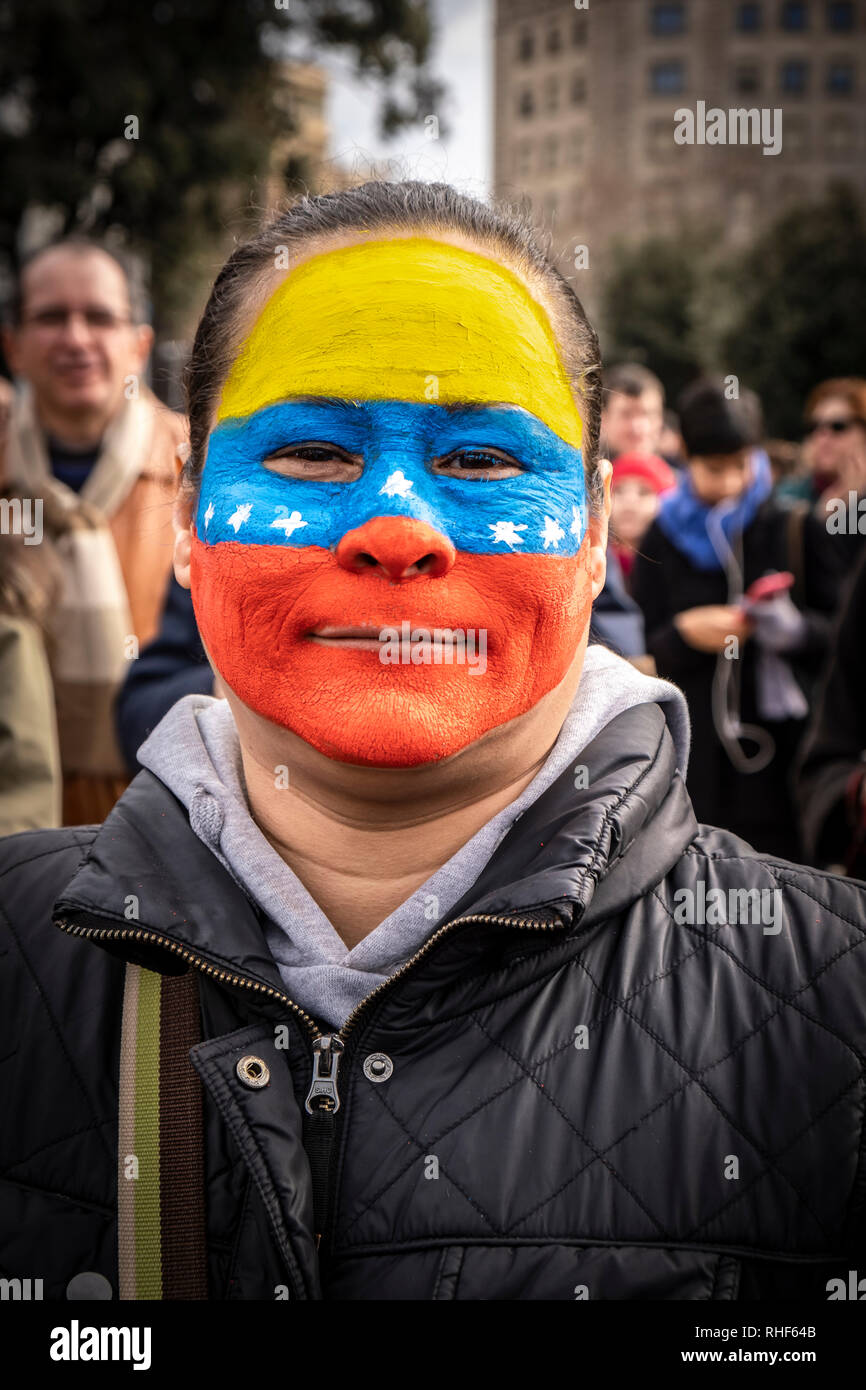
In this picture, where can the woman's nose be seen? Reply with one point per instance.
(398, 548)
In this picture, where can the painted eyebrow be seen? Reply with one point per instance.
(338, 402)
(476, 407)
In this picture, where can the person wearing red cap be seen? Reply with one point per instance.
(637, 483)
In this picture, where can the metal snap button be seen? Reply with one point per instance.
(378, 1066)
(89, 1285)
(253, 1072)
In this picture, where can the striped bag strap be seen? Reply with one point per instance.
(161, 1241)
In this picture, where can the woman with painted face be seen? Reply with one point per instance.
(737, 595)
(405, 971)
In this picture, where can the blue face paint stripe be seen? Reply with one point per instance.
(543, 510)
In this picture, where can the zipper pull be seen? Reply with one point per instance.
(326, 1062)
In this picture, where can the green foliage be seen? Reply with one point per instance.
(784, 314)
(801, 298)
(203, 79)
(647, 309)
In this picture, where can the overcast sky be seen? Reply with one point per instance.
(462, 60)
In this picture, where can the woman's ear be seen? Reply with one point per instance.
(598, 533)
(182, 517)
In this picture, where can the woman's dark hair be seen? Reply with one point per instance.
(714, 422)
(387, 207)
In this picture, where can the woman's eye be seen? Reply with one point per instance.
(483, 464)
(318, 463)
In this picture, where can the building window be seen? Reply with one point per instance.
(796, 135)
(840, 79)
(551, 94)
(841, 137)
(576, 143)
(668, 19)
(554, 40)
(578, 89)
(526, 104)
(748, 18)
(578, 31)
(840, 16)
(526, 46)
(659, 140)
(551, 153)
(523, 159)
(747, 79)
(667, 79)
(795, 76)
(795, 14)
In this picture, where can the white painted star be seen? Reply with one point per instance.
(396, 485)
(240, 515)
(289, 523)
(552, 533)
(505, 532)
(577, 527)
(208, 514)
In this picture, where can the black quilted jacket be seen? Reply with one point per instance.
(587, 1098)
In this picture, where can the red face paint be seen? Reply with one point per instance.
(257, 604)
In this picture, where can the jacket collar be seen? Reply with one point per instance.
(150, 891)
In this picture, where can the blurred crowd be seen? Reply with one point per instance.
(735, 568)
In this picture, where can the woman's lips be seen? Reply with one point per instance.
(365, 639)
(372, 639)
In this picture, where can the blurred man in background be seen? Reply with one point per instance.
(85, 432)
(632, 417)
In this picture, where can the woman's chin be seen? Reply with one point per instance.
(395, 729)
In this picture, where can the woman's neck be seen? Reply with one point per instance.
(362, 840)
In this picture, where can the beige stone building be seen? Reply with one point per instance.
(304, 154)
(585, 121)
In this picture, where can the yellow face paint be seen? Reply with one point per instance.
(408, 319)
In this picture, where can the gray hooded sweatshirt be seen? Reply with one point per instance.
(195, 753)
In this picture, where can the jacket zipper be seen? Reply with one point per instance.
(323, 1098)
(321, 1106)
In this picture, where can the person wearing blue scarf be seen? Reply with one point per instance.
(684, 516)
(746, 669)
